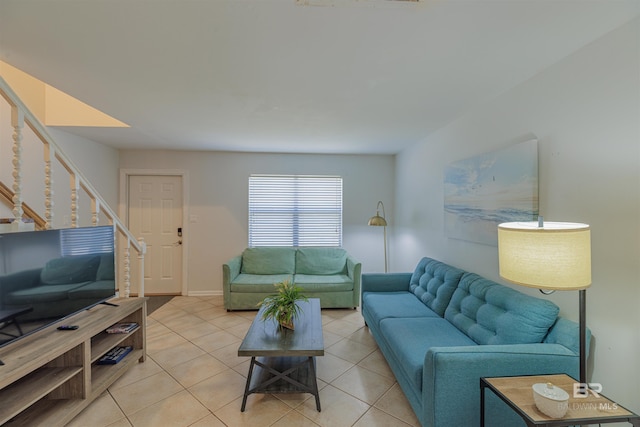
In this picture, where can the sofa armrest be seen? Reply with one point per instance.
(354, 271)
(451, 379)
(385, 282)
(230, 271)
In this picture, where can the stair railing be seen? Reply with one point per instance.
(21, 115)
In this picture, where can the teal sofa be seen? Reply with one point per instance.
(328, 273)
(441, 329)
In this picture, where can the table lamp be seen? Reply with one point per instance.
(549, 256)
(380, 221)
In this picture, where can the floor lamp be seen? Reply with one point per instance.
(549, 256)
(380, 221)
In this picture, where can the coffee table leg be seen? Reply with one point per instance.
(312, 368)
(277, 375)
(246, 388)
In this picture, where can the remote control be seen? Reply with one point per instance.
(68, 327)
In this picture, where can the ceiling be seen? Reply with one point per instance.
(294, 76)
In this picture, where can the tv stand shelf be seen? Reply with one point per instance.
(50, 376)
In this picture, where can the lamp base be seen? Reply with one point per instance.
(583, 336)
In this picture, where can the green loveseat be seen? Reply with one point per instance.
(328, 273)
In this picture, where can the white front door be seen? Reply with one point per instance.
(155, 214)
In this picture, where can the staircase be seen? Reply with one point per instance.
(41, 207)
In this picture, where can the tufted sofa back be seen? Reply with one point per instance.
(490, 313)
(486, 311)
(434, 283)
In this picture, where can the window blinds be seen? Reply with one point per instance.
(88, 240)
(295, 210)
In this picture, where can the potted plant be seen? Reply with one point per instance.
(282, 306)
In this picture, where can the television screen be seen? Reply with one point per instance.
(48, 275)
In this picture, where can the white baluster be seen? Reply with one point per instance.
(127, 269)
(95, 211)
(49, 153)
(75, 194)
(17, 122)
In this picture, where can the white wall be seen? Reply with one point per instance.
(218, 194)
(585, 112)
(97, 162)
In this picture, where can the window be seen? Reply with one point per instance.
(89, 240)
(295, 210)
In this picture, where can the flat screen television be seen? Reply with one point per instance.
(48, 275)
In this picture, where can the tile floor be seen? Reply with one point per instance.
(194, 377)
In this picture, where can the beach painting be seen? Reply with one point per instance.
(484, 191)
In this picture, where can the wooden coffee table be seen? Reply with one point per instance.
(283, 361)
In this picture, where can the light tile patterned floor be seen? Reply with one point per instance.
(194, 377)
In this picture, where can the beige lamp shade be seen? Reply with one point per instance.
(555, 256)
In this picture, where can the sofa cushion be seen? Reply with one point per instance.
(409, 340)
(258, 282)
(434, 282)
(268, 260)
(319, 260)
(70, 269)
(382, 305)
(490, 313)
(323, 283)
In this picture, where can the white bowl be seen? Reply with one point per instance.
(551, 400)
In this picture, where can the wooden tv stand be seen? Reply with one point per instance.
(50, 376)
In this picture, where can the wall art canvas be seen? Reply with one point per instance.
(483, 191)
